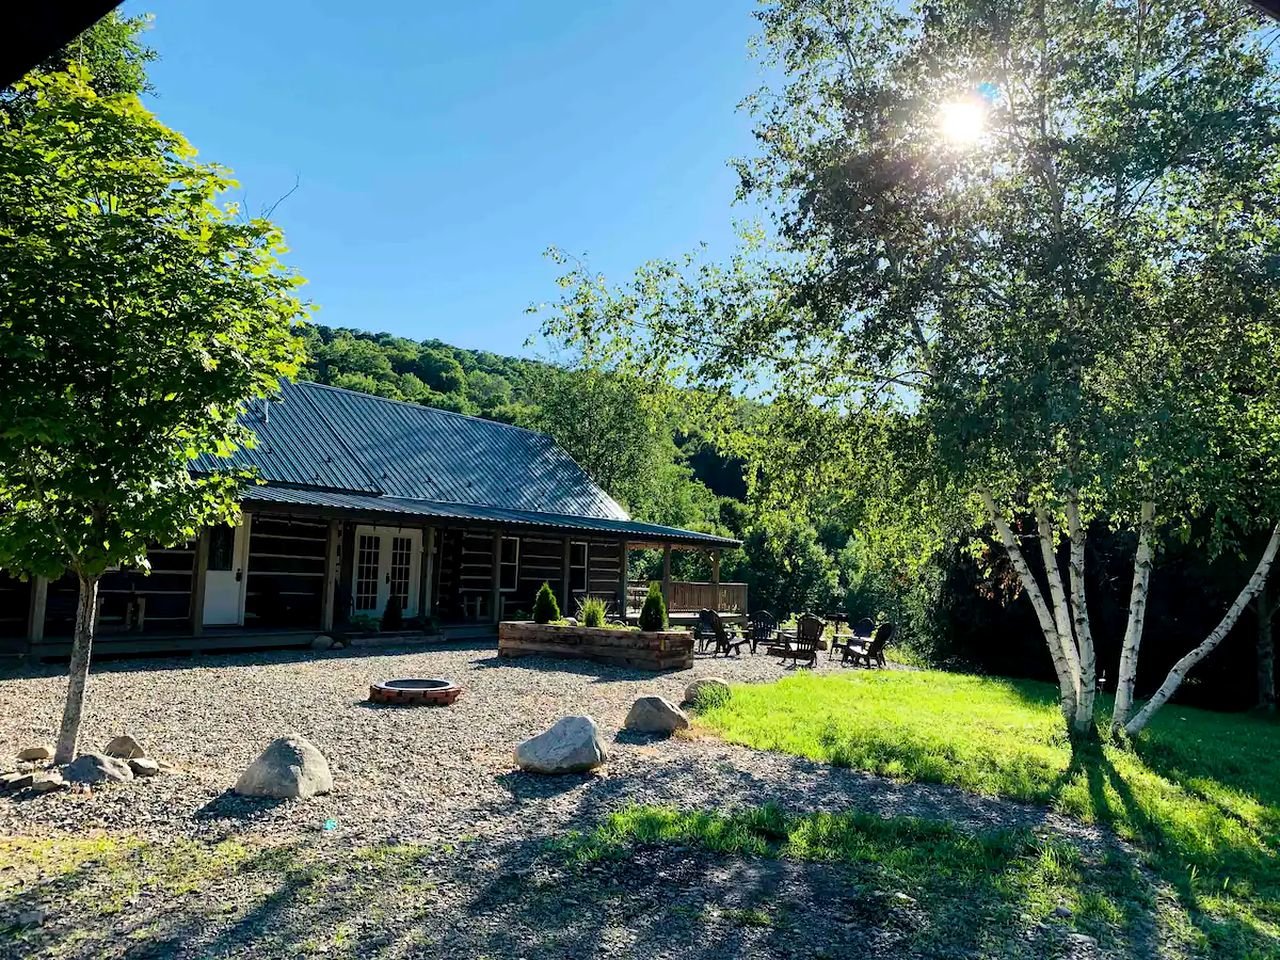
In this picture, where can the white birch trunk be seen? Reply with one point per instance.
(1137, 617)
(1180, 669)
(1032, 588)
(1080, 616)
(1070, 681)
(86, 617)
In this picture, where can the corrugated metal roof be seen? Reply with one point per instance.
(321, 446)
(361, 503)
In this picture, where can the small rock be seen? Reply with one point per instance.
(48, 782)
(573, 745)
(97, 768)
(322, 642)
(40, 752)
(903, 898)
(124, 747)
(32, 918)
(570, 621)
(289, 768)
(655, 715)
(16, 781)
(1062, 912)
(715, 686)
(144, 767)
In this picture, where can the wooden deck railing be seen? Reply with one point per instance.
(691, 597)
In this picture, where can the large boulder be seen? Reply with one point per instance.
(36, 753)
(322, 642)
(124, 747)
(289, 768)
(709, 689)
(655, 715)
(573, 745)
(97, 768)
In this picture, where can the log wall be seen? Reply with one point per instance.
(664, 650)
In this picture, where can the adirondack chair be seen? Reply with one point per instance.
(873, 651)
(725, 639)
(804, 644)
(762, 627)
(862, 630)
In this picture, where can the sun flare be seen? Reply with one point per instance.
(962, 122)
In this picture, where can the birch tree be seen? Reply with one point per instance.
(1041, 233)
(137, 316)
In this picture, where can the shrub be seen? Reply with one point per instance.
(653, 615)
(393, 615)
(709, 696)
(545, 608)
(592, 612)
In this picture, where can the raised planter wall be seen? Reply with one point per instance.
(663, 650)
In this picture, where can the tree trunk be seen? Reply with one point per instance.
(1061, 612)
(1032, 588)
(1180, 669)
(1080, 612)
(1137, 616)
(1266, 653)
(86, 621)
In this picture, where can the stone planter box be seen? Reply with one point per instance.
(662, 650)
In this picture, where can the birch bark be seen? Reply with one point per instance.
(1032, 588)
(1137, 617)
(86, 615)
(1180, 669)
(1080, 616)
(1070, 681)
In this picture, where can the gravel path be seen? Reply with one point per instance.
(421, 774)
(482, 882)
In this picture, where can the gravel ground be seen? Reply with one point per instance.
(444, 778)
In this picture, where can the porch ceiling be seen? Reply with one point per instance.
(333, 503)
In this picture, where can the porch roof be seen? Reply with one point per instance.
(358, 505)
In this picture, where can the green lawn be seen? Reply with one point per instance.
(1199, 795)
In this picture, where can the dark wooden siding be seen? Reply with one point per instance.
(15, 606)
(167, 591)
(286, 571)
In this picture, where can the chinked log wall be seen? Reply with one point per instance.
(661, 650)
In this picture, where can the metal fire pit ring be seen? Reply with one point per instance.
(434, 691)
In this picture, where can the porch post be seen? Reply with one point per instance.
(496, 591)
(199, 569)
(622, 580)
(36, 610)
(565, 600)
(427, 601)
(715, 578)
(666, 575)
(328, 596)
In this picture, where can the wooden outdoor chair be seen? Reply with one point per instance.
(803, 644)
(862, 630)
(762, 627)
(726, 640)
(872, 652)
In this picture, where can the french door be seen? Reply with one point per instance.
(387, 564)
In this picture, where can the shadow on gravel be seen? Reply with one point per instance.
(230, 805)
(530, 786)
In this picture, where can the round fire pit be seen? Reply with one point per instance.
(436, 692)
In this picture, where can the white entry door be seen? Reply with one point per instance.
(224, 580)
(387, 564)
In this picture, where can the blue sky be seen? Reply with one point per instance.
(440, 148)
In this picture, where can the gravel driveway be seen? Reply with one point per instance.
(444, 778)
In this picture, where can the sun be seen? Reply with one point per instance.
(962, 122)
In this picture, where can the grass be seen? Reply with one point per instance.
(1199, 794)
(944, 888)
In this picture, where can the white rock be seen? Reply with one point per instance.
(48, 782)
(655, 715)
(290, 768)
(573, 745)
(124, 747)
(144, 767)
(15, 781)
(322, 642)
(710, 684)
(97, 768)
(40, 752)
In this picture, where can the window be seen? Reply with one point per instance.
(368, 549)
(509, 564)
(577, 568)
(222, 546)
